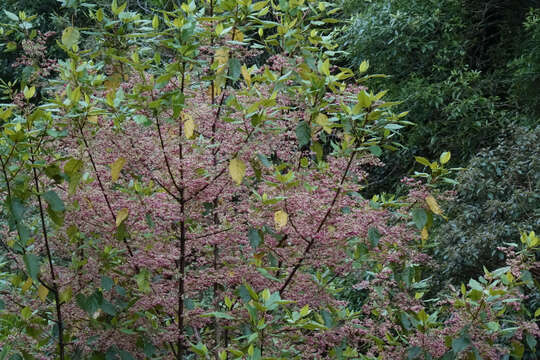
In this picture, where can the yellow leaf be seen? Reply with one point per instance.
(42, 292)
(66, 295)
(189, 125)
(246, 75)
(322, 120)
(121, 216)
(116, 167)
(26, 284)
(238, 35)
(424, 234)
(280, 219)
(113, 81)
(93, 119)
(364, 66)
(29, 93)
(222, 57)
(432, 203)
(237, 170)
(445, 157)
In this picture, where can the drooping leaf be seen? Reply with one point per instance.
(433, 206)
(121, 216)
(246, 75)
(56, 204)
(32, 263)
(189, 126)
(116, 167)
(237, 170)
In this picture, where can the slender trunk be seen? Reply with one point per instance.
(56, 294)
(182, 260)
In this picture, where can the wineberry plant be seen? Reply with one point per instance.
(187, 184)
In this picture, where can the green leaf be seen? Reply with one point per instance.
(255, 238)
(200, 349)
(264, 160)
(11, 15)
(517, 349)
(422, 160)
(374, 236)
(55, 203)
(32, 263)
(460, 344)
(106, 283)
(375, 150)
(420, 218)
(219, 315)
(414, 352)
(303, 133)
(70, 37)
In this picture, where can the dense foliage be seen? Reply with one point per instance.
(464, 69)
(498, 196)
(188, 181)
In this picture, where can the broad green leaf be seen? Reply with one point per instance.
(255, 238)
(32, 263)
(374, 236)
(106, 283)
(70, 37)
(11, 15)
(420, 218)
(237, 170)
(303, 133)
(26, 313)
(116, 167)
(460, 344)
(155, 22)
(375, 150)
(55, 203)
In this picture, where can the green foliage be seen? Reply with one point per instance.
(525, 81)
(496, 197)
(401, 37)
(448, 63)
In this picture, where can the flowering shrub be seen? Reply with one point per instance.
(179, 197)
